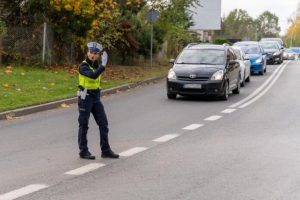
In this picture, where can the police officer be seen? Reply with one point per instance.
(89, 101)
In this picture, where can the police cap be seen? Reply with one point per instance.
(94, 46)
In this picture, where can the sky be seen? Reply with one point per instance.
(281, 8)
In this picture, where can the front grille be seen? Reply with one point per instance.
(187, 78)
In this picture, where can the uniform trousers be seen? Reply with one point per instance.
(92, 104)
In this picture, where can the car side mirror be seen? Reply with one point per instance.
(172, 61)
(232, 62)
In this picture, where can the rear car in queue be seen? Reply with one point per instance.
(204, 69)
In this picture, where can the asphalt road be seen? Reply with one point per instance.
(243, 148)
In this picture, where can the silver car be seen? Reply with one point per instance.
(244, 61)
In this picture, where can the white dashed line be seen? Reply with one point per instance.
(166, 138)
(22, 191)
(213, 118)
(227, 111)
(192, 127)
(133, 151)
(85, 169)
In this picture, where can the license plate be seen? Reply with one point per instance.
(193, 86)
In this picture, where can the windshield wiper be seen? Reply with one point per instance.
(206, 63)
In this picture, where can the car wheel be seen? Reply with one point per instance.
(171, 96)
(261, 72)
(237, 89)
(248, 79)
(226, 92)
(243, 82)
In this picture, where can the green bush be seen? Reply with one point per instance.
(222, 41)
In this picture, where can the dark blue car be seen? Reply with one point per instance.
(256, 54)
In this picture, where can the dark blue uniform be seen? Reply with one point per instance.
(92, 104)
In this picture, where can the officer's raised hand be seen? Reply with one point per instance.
(104, 58)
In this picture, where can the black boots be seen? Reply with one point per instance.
(87, 155)
(109, 154)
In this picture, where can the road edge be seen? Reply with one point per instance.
(56, 104)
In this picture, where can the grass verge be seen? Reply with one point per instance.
(25, 86)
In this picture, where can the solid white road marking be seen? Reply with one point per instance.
(166, 138)
(265, 90)
(133, 151)
(258, 90)
(85, 169)
(22, 191)
(227, 111)
(213, 118)
(192, 127)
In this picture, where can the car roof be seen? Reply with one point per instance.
(247, 42)
(205, 46)
(272, 39)
(271, 42)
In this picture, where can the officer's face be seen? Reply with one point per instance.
(92, 55)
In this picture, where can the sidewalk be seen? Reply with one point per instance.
(47, 106)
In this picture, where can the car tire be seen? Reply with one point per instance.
(248, 79)
(171, 96)
(237, 89)
(225, 95)
(243, 82)
(262, 72)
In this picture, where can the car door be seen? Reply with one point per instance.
(233, 70)
(247, 63)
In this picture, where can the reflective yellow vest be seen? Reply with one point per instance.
(87, 82)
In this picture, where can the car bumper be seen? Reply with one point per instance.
(215, 88)
(273, 59)
(256, 67)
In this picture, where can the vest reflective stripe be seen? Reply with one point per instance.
(87, 82)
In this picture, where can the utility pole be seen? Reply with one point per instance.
(152, 16)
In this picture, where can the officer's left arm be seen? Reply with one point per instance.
(86, 71)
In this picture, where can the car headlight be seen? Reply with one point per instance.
(285, 54)
(259, 60)
(171, 74)
(276, 53)
(218, 75)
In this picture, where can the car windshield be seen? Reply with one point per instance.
(201, 56)
(251, 49)
(269, 45)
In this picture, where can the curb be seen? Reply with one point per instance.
(55, 104)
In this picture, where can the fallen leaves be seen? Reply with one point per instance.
(6, 85)
(63, 105)
(9, 116)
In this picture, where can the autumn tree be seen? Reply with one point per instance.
(292, 37)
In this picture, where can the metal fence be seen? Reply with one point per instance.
(35, 45)
(38, 45)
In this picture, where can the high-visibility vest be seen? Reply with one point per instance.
(87, 82)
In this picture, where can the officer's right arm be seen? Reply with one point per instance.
(86, 71)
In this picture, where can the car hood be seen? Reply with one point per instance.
(199, 70)
(253, 57)
(271, 50)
